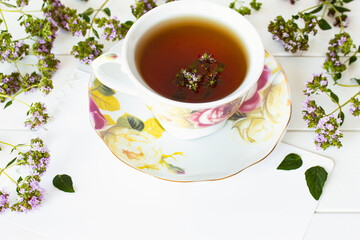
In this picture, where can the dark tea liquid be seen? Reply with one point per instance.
(176, 44)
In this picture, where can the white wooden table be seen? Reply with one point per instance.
(338, 213)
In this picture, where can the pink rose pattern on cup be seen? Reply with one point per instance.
(212, 116)
(255, 100)
(185, 118)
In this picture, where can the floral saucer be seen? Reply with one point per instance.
(135, 137)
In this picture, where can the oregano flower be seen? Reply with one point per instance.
(37, 116)
(87, 50)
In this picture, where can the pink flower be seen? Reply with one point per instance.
(211, 116)
(255, 100)
(98, 119)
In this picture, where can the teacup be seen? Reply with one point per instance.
(183, 120)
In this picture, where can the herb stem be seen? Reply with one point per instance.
(25, 89)
(20, 11)
(13, 146)
(354, 54)
(26, 64)
(2, 171)
(344, 85)
(326, 6)
(339, 16)
(312, 7)
(13, 98)
(333, 100)
(97, 12)
(17, 67)
(5, 143)
(2, 15)
(28, 37)
(340, 106)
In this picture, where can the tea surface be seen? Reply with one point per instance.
(175, 45)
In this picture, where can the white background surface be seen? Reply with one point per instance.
(338, 213)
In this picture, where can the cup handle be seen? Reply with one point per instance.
(117, 80)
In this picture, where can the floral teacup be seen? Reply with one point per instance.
(182, 119)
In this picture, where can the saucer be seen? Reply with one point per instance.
(136, 138)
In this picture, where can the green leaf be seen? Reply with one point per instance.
(19, 179)
(347, 1)
(315, 180)
(8, 104)
(85, 17)
(291, 161)
(64, 183)
(11, 162)
(8, 5)
(96, 33)
(324, 25)
(130, 121)
(342, 9)
(334, 97)
(341, 115)
(89, 11)
(358, 49)
(107, 11)
(337, 76)
(232, 5)
(356, 79)
(352, 59)
(128, 24)
(296, 17)
(316, 10)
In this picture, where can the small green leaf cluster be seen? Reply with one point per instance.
(355, 107)
(38, 27)
(315, 176)
(30, 81)
(341, 45)
(141, 7)
(312, 113)
(19, 3)
(244, 10)
(317, 85)
(204, 72)
(29, 192)
(42, 48)
(327, 132)
(86, 51)
(9, 85)
(290, 34)
(48, 65)
(37, 116)
(113, 29)
(11, 51)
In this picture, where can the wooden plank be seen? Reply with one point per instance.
(334, 226)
